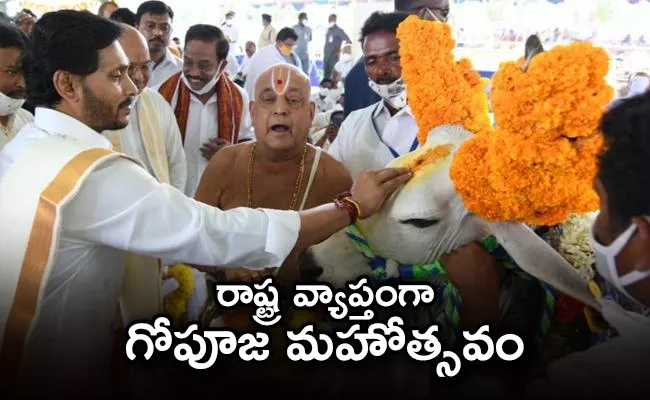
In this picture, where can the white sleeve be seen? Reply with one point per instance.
(246, 122)
(121, 206)
(174, 146)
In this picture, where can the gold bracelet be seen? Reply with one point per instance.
(356, 205)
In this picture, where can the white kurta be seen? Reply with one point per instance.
(16, 122)
(133, 144)
(163, 71)
(263, 59)
(362, 145)
(120, 207)
(202, 125)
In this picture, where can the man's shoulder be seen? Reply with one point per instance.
(229, 155)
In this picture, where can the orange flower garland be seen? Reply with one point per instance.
(440, 90)
(537, 167)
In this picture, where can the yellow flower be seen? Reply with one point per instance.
(440, 90)
(176, 303)
(538, 166)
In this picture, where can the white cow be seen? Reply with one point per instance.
(426, 219)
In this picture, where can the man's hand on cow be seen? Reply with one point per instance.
(212, 146)
(477, 275)
(371, 188)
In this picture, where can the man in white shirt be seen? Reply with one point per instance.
(69, 207)
(231, 32)
(12, 83)
(375, 135)
(344, 64)
(152, 135)
(281, 52)
(245, 65)
(154, 20)
(211, 110)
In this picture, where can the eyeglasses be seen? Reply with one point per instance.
(151, 27)
(145, 67)
(424, 10)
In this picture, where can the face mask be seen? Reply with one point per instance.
(332, 24)
(286, 51)
(304, 22)
(393, 93)
(9, 105)
(606, 261)
(432, 15)
(208, 86)
(346, 57)
(323, 93)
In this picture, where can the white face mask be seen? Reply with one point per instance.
(304, 22)
(332, 24)
(208, 86)
(606, 261)
(323, 93)
(432, 14)
(9, 105)
(346, 57)
(393, 93)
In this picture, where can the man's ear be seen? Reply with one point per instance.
(251, 109)
(312, 111)
(66, 86)
(642, 243)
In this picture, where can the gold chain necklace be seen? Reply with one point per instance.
(297, 186)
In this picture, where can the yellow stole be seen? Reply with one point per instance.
(151, 134)
(30, 231)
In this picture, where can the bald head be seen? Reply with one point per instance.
(137, 51)
(282, 110)
(281, 78)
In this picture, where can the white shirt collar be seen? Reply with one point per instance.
(383, 110)
(55, 122)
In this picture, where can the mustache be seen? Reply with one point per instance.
(386, 80)
(157, 40)
(127, 103)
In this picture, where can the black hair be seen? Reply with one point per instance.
(382, 22)
(11, 36)
(155, 8)
(230, 14)
(209, 34)
(4, 17)
(29, 12)
(624, 167)
(124, 15)
(285, 34)
(104, 5)
(302, 15)
(65, 40)
(326, 80)
(332, 17)
(266, 17)
(408, 5)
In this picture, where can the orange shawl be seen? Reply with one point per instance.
(229, 106)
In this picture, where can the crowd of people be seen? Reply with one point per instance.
(122, 153)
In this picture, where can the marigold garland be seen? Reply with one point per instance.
(538, 165)
(440, 90)
(176, 302)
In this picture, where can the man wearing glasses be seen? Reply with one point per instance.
(358, 94)
(154, 20)
(152, 135)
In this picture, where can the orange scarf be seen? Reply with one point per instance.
(229, 106)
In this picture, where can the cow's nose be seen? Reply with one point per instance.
(308, 269)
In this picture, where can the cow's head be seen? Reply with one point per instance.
(423, 220)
